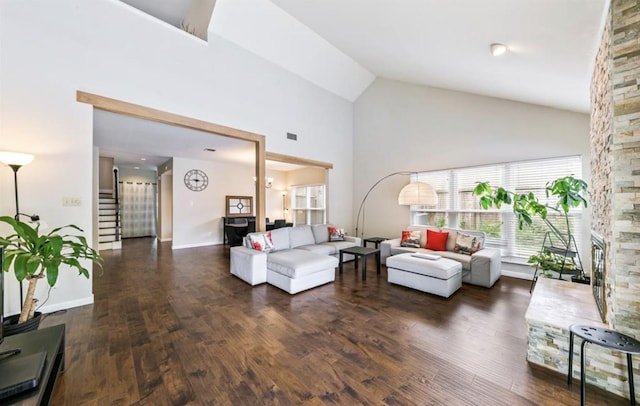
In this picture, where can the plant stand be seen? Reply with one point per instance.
(567, 257)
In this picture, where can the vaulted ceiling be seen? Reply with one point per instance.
(343, 45)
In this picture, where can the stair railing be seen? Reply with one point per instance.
(117, 196)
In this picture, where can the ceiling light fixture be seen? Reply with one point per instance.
(498, 49)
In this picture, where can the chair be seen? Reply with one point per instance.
(279, 223)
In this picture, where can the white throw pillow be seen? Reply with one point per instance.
(261, 241)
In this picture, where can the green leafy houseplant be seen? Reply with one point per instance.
(36, 256)
(571, 193)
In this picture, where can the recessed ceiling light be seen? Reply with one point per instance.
(498, 49)
(136, 167)
(143, 159)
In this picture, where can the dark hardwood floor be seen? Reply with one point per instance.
(176, 328)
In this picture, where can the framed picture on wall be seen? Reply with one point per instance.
(239, 206)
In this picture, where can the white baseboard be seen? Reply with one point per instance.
(204, 244)
(516, 274)
(67, 305)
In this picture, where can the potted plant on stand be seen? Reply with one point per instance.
(36, 256)
(571, 193)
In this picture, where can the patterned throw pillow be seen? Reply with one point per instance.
(336, 234)
(261, 242)
(437, 240)
(467, 244)
(410, 239)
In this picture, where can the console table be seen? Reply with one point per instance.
(49, 339)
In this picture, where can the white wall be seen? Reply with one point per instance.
(403, 127)
(49, 50)
(137, 175)
(197, 216)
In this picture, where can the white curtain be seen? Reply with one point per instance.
(138, 209)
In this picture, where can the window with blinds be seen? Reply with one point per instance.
(459, 208)
(308, 204)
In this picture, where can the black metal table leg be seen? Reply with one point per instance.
(570, 372)
(583, 384)
(364, 268)
(632, 393)
(340, 262)
(378, 262)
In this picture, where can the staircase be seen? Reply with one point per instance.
(108, 223)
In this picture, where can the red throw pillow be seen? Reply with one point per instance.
(437, 240)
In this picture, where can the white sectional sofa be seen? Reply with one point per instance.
(301, 258)
(482, 268)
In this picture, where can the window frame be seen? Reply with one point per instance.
(308, 209)
(512, 174)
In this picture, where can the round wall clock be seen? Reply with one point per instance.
(196, 180)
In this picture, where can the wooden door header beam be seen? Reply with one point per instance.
(272, 156)
(148, 113)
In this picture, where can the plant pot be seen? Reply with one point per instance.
(10, 324)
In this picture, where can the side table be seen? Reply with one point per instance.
(605, 338)
(51, 340)
(363, 252)
(374, 240)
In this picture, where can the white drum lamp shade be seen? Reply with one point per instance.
(15, 158)
(418, 194)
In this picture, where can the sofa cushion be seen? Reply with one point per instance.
(336, 246)
(301, 235)
(466, 244)
(280, 238)
(297, 263)
(260, 241)
(437, 240)
(320, 233)
(410, 239)
(451, 239)
(336, 234)
(465, 260)
(321, 249)
(479, 234)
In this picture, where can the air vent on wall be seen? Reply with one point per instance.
(292, 136)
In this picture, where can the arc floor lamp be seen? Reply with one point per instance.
(413, 194)
(16, 160)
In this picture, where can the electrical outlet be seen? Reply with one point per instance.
(71, 202)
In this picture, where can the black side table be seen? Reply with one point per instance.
(360, 252)
(375, 240)
(51, 340)
(605, 338)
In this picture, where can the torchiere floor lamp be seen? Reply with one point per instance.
(16, 160)
(413, 194)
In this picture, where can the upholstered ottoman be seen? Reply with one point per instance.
(440, 277)
(296, 270)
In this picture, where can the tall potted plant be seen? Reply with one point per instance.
(35, 256)
(570, 192)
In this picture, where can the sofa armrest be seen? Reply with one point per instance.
(486, 267)
(356, 240)
(385, 248)
(249, 265)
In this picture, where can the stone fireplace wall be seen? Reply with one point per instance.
(625, 152)
(601, 140)
(615, 162)
(615, 188)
